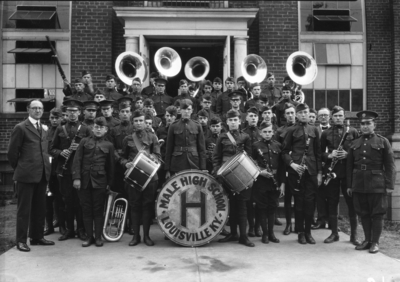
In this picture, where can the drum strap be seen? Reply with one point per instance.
(232, 139)
(138, 145)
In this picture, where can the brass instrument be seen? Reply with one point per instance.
(303, 164)
(196, 69)
(268, 168)
(302, 70)
(167, 61)
(254, 68)
(130, 65)
(330, 174)
(115, 217)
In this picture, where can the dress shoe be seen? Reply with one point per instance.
(148, 241)
(301, 238)
(245, 241)
(264, 239)
(131, 232)
(99, 242)
(62, 230)
(258, 232)
(88, 242)
(332, 238)
(229, 238)
(374, 248)
(67, 235)
(135, 240)
(48, 231)
(309, 239)
(82, 234)
(363, 246)
(287, 230)
(224, 232)
(272, 238)
(354, 240)
(319, 225)
(41, 242)
(23, 247)
(251, 232)
(278, 222)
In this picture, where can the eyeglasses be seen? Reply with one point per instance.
(98, 127)
(323, 115)
(37, 109)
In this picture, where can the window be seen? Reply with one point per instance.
(22, 96)
(32, 52)
(192, 4)
(36, 17)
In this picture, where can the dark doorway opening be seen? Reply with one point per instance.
(212, 53)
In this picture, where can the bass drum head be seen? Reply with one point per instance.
(192, 208)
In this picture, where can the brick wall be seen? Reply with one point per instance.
(91, 39)
(118, 40)
(278, 35)
(396, 64)
(380, 96)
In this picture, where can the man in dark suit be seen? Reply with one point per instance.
(28, 156)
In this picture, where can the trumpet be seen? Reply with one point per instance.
(115, 217)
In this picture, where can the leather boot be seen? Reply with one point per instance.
(377, 226)
(367, 225)
(242, 229)
(264, 227)
(136, 229)
(251, 232)
(146, 228)
(98, 228)
(89, 241)
(334, 237)
(301, 238)
(271, 223)
(353, 235)
(224, 232)
(257, 225)
(288, 229)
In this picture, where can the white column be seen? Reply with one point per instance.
(240, 46)
(132, 43)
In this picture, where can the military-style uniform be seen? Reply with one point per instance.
(88, 123)
(187, 96)
(214, 96)
(60, 142)
(223, 104)
(330, 140)
(94, 166)
(224, 149)
(161, 102)
(253, 132)
(162, 133)
(280, 111)
(211, 142)
(304, 192)
(254, 102)
(185, 146)
(273, 94)
(141, 202)
(112, 94)
(81, 96)
(370, 173)
(265, 192)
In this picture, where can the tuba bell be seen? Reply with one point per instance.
(115, 217)
(196, 70)
(254, 68)
(167, 61)
(302, 70)
(130, 65)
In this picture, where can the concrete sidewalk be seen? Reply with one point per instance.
(286, 261)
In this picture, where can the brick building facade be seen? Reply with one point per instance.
(91, 35)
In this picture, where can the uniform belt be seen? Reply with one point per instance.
(185, 149)
(94, 167)
(368, 166)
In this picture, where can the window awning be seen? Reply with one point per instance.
(32, 15)
(335, 18)
(332, 54)
(31, 50)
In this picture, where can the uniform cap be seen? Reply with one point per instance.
(148, 102)
(240, 78)
(106, 103)
(253, 110)
(161, 79)
(215, 120)
(232, 113)
(217, 80)
(229, 78)
(203, 113)
(208, 83)
(288, 106)
(73, 104)
(124, 102)
(254, 85)
(183, 81)
(172, 110)
(265, 108)
(85, 72)
(100, 121)
(235, 94)
(185, 103)
(91, 105)
(137, 79)
(110, 76)
(264, 125)
(138, 113)
(78, 80)
(301, 107)
(269, 74)
(367, 115)
(99, 92)
(286, 88)
(55, 112)
(154, 74)
(207, 97)
(337, 109)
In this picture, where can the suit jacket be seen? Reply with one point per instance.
(28, 153)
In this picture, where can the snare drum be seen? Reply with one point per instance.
(239, 172)
(144, 168)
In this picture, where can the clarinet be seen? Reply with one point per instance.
(64, 167)
(330, 174)
(268, 168)
(303, 164)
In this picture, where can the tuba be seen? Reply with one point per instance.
(302, 70)
(167, 61)
(115, 217)
(254, 68)
(130, 65)
(196, 69)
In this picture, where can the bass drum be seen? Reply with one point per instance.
(192, 208)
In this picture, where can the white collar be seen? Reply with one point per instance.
(320, 125)
(33, 121)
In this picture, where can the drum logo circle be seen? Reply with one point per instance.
(192, 208)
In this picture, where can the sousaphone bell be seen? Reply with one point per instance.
(130, 65)
(167, 61)
(254, 68)
(196, 69)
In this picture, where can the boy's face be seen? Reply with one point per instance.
(90, 114)
(216, 128)
(303, 116)
(252, 119)
(107, 111)
(203, 120)
(148, 107)
(54, 120)
(136, 86)
(267, 116)
(312, 117)
(290, 115)
(64, 116)
(207, 89)
(235, 102)
(149, 123)
(87, 78)
(271, 80)
(256, 91)
(267, 133)
(233, 123)
(217, 86)
(79, 86)
(169, 118)
(286, 94)
(99, 97)
(230, 85)
(206, 104)
(184, 88)
(241, 84)
(138, 123)
(73, 114)
(110, 84)
(125, 114)
(99, 131)
(139, 104)
(186, 113)
(338, 118)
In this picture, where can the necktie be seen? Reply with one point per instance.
(38, 128)
(324, 127)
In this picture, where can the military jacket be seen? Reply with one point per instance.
(253, 132)
(185, 146)
(330, 140)
(161, 102)
(94, 161)
(214, 96)
(223, 104)
(162, 133)
(61, 142)
(195, 105)
(370, 165)
(224, 149)
(295, 142)
(273, 94)
(112, 94)
(89, 124)
(280, 111)
(74, 93)
(280, 133)
(117, 136)
(50, 135)
(148, 90)
(270, 154)
(82, 96)
(149, 142)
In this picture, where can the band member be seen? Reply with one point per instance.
(313, 117)
(281, 105)
(225, 149)
(206, 104)
(99, 96)
(242, 87)
(185, 143)
(330, 140)
(217, 85)
(208, 90)
(211, 140)
(302, 155)
(28, 156)
(192, 92)
(323, 115)
(110, 92)
(273, 93)
(64, 114)
(136, 88)
(148, 108)
(161, 99)
(87, 80)
(151, 89)
(93, 173)
(202, 117)
(65, 142)
(223, 100)
(54, 203)
(371, 172)
(280, 134)
(235, 101)
(267, 117)
(140, 201)
(255, 90)
(271, 182)
(107, 111)
(184, 94)
(79, 92)
(91, 108)
(138, 102)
